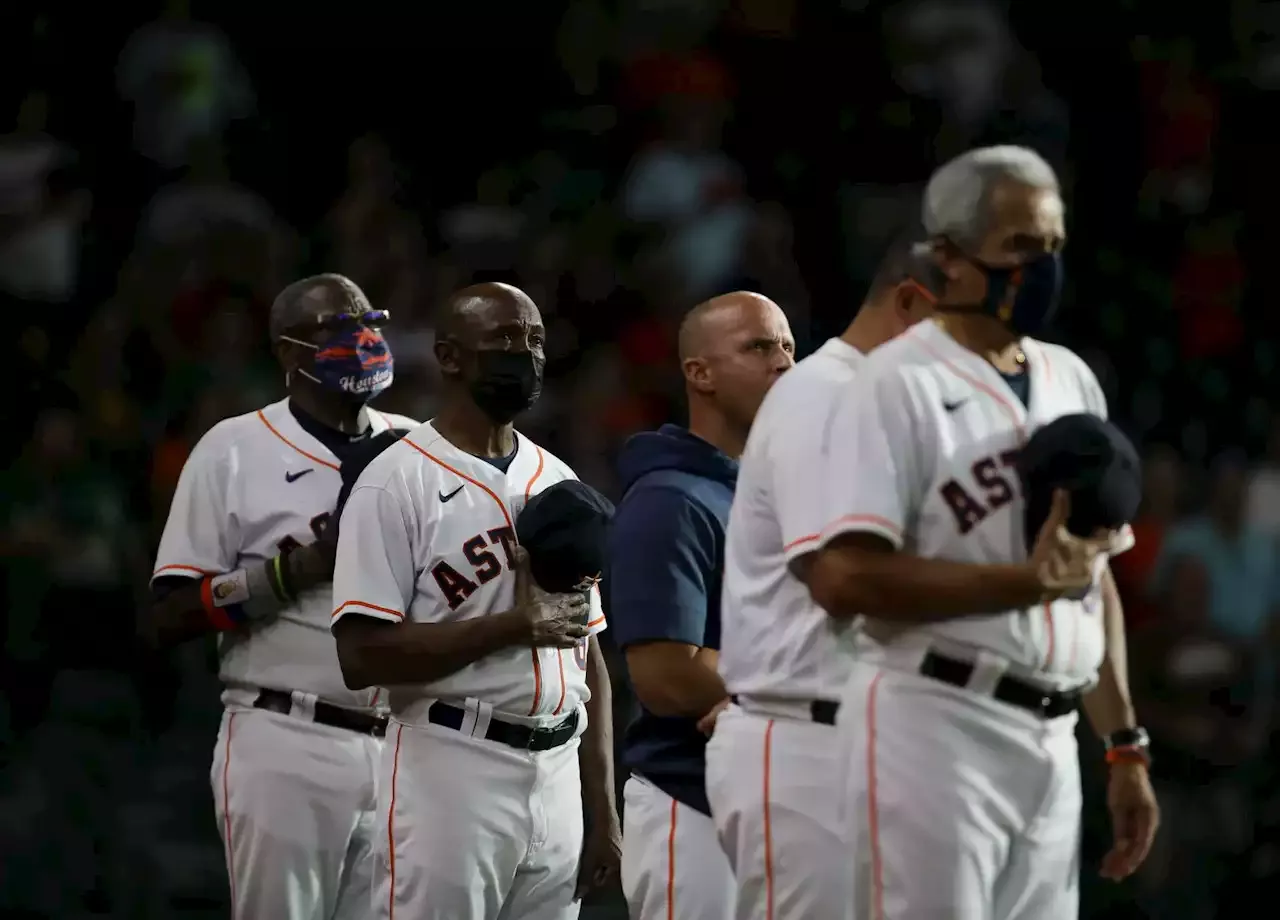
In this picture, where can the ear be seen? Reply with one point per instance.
(697, 374)
(447, 357)
(945, 258)
(286, 354)
(912, 303)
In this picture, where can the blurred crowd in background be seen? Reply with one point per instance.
(167, 171)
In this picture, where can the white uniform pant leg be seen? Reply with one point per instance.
(547, 879)
(356, 890)
(947, 793)
(1042, 880)
(294, 803)
(776, 793)
(473, 830)
(672, 865)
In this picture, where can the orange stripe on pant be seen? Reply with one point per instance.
(768, 830)
(671, 864)
(226, 813)
(391, 838)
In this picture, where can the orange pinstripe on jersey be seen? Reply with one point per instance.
(312, 457)
(367, 606)
(177, 569)
(533, 652)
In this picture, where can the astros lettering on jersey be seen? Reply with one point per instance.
(252, 486)
(924, 458)
(432, 536)
(931, 437)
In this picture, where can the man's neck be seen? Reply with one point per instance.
(710, 426)
(468, 429)
(346, 417)
(986, 337)
(870, 329)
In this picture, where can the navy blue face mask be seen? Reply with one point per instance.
(1039, 289)
(355, 360)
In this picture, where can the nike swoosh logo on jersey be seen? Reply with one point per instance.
(444, 498)
(953, 406)
(294, 477)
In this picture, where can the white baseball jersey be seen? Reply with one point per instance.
(775, 641)
(924, 456)
(252, 485)
(428, 536)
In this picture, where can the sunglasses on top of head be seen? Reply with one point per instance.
(337, 322)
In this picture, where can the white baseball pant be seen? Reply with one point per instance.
(960, 807)
(776, 800)
(472, 829)
(295, 803)
(672, 865)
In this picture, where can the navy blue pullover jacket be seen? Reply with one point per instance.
(666, 559)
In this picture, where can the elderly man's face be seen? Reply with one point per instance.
(1024, 222)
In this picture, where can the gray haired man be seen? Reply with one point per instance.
(979, 640)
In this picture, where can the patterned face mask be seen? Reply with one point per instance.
(355, 360)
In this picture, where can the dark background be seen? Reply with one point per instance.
(165, 174)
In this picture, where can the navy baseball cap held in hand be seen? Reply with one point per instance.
(564, 528)
(1093, 461)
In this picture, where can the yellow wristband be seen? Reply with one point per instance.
(277, 581)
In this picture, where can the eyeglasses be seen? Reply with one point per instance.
(337, 322)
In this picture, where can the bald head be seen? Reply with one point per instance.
(712, 320)
(314, 299)
(473, 308)
(732, 349)
(492, 333)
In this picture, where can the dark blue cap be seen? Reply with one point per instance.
(1093, 461)
(564, 528)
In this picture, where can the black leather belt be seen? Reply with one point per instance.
(325, 713)
(524, 737)
(1048, 704)
(821, 711)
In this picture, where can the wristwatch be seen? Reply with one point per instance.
(1129, 745)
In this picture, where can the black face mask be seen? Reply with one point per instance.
(506, 383)
(1036, 301)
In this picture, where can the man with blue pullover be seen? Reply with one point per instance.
(666, 557)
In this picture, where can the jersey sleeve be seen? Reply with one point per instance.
(1095, 401)
(867, 469)
(373, 574)
(661, 562)
(596, 622)
(799, 498)
(201, 536)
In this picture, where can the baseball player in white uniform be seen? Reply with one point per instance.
(497, 690)
(774, 748)
(247, 554)
(960, 711)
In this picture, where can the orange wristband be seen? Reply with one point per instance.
(1130, 754)
(220, 617)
